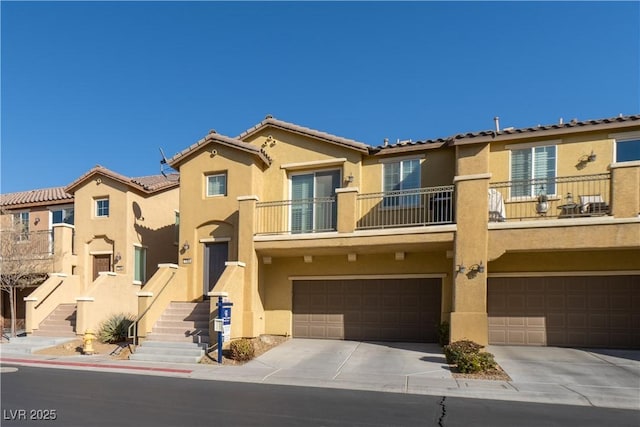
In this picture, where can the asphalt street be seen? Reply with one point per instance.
(40, 396)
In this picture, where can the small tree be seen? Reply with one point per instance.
(25, 259)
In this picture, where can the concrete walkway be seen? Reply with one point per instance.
(545, 375)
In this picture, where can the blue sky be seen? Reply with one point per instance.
(86, 83)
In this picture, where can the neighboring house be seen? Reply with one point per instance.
(514, 236)
(28, 220)
(124, 228)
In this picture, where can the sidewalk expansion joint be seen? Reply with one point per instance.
(272, 373)
(338, 371)
(579, 394)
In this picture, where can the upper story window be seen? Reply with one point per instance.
(62, 215)
(217, 185)
(176, 229)
(102, 207)
(21, 222)
(628, 150)
(401, 175)
(534, 171)
(139, 264)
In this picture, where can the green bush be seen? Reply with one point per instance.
(241, 350)
(454, 350)
(467, 357)
(443, 333)
(115, 328)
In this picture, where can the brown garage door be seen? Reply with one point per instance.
(599, 311)
(374, 310)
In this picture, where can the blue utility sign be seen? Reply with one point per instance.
(226, 322)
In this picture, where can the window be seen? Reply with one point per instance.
(217, 185)
(140, 264)
(62, 216)
(102, 207)
(627, 151)
(533, 171)
(313, 206)
(402, 175)
(21, 222)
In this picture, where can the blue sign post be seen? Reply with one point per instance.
(224, 324)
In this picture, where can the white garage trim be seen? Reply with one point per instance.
(372, 276)
(565, 273)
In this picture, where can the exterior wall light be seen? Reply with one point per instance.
(461, 269)
(350, 178)
(185, 246)
(117, 258)
(477, 267)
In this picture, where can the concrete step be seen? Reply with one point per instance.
(171, 351)
(31, 344)
(181, 331)
(165, 358)
(154, 336)
(49, 322)
(172, 344)
(186, 324)
(54, 333)
(187, 318)
(157, 351)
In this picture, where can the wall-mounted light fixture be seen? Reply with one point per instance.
(117, 258)
(350, 178)
(461, 269)
(185, 246)
(36, 221)
(477, 267)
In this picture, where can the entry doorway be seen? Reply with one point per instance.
(101, 263)
(215, 256)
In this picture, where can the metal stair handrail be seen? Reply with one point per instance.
(134, 326)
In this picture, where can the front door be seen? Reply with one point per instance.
(101, 263)
(215, 255)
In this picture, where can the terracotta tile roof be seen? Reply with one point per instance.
(44, 196)
(279, 124)
(510, 133)
(147, 184)
(214, 137)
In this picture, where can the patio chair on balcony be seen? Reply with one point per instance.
(593, 205)
(496, 206)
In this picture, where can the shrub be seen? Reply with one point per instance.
(443, 333)
(467, 357)
(453, 351)
(115, 328)
(241, 350)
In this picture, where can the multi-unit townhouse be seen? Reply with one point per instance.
(526, 236)
(29, 219)
(122, 228)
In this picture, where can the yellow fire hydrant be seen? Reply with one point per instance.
(88, 338)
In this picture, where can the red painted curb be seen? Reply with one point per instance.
(95, 365)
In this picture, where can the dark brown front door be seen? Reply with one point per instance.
(101, 263)
(215, 255)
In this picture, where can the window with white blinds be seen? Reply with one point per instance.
(533, 171)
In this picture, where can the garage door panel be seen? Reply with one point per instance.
(388, 309)
(595, 311)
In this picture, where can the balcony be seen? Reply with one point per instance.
(553, 198)
(404, 208)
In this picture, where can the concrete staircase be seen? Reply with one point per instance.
(181, 335)
(60, 323)
(29, 345)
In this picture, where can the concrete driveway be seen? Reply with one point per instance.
(602, 377)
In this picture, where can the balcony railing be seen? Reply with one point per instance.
(26, 245)
(420, 206)
(561, 197)
(296, 216)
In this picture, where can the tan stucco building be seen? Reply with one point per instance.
(513, 236)
(123, 228)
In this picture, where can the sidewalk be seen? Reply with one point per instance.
(364, 366)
